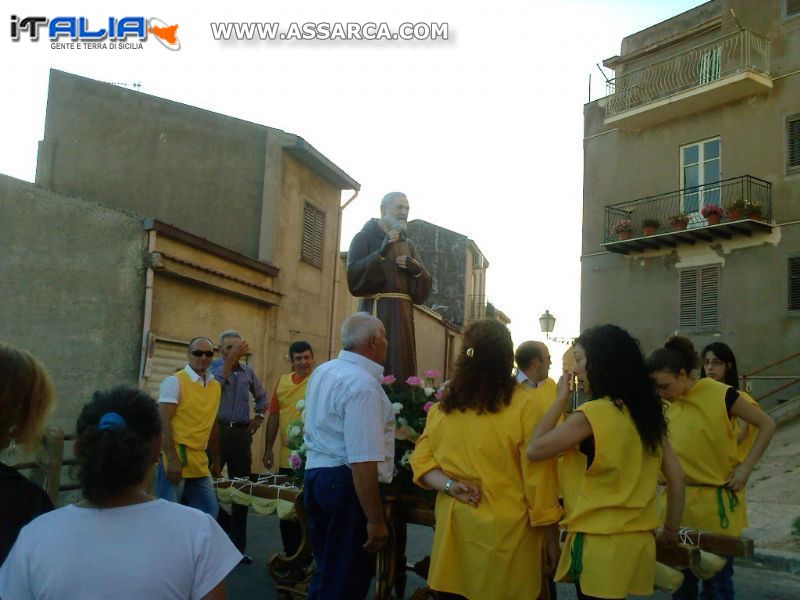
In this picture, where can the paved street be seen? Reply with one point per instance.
(253, 582)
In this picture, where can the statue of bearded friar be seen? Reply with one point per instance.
(384, 270)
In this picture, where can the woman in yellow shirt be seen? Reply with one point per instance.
(700, 415)
(719, 363)
(610, 548)
(496, 511)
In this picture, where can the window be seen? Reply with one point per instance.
(313, 235)
(700, 175)
(699, 299)
(708, 68)
(792, 7)
(794, 283)
(793, 142)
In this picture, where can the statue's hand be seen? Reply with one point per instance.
(408, 264)
(391, 237)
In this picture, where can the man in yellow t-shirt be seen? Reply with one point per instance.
(283, 409)
(188, 403)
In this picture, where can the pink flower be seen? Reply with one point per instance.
(439, 395)
(295, 461)
(414, 380)
(427, 406)
(388, 380)
(432, 374)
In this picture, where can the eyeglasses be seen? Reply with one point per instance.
(208, 353)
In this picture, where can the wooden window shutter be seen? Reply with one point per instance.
(313, 235)
(688, 299)
(794, 283)
(708, 307)
(792, 7)
(793, 141)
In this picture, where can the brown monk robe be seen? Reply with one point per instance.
(370, 274)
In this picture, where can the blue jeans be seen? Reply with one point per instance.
(337, 529)
(719, 587)
(197, 492)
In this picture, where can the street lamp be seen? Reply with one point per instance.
(547, 322)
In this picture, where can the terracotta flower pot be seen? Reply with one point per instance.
(735, 214)
(714, 219)
(649, 230)
(755, 215)
(679, 225)
(624, 235)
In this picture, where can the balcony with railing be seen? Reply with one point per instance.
(724, 70)
(722, 210)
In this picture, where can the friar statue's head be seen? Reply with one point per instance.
(394, 211)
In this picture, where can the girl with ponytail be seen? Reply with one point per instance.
(119, 542)
(701, 416)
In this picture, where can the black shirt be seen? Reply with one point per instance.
(21, 501)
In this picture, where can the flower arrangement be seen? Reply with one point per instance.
(623, 226)
(711, 210)
(294, 438)
(679, 219)
(411, 402)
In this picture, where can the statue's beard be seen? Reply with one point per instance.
(393, 223)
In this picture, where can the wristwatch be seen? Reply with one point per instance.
(448, 487)
(260, 415)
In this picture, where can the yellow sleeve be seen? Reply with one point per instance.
(422, 460)
(540, 478)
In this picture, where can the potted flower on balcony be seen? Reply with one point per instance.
(745, 207)
(712, 214)
(679, 221)
(623, 228)
(650, 226)
(736, 209)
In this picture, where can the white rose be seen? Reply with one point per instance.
(303, 416)
(401, 421)
(397, 407)
(301, 404)
(429, 391)
(294, 431)
(406, 459)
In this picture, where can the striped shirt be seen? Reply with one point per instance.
(349, 419)
(234, 405)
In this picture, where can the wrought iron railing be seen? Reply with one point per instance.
(738, 198)
(476, 308)
(734, 53)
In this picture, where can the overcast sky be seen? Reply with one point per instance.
(483, 131)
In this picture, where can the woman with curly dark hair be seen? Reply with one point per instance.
(610, 550)
(496, 511)
(119, 542)
(700, 415)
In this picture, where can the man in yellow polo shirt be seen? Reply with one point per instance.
(283, 410)
(188, 402)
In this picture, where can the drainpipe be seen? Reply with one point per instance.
(148, 308)
(335, 305)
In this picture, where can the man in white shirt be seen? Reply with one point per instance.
(533, 363)
(349, 437)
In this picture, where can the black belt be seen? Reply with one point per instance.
(234, 424)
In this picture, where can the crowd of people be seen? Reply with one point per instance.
(512, 466)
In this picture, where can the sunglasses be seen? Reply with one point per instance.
(208, 353)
